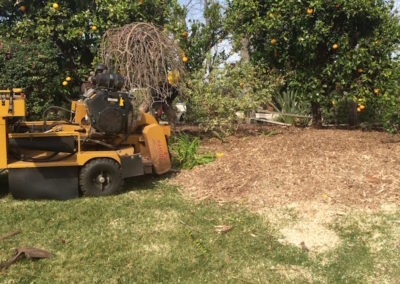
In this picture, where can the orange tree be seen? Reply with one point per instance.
(332, 50)
(203, 36)
(73, 29)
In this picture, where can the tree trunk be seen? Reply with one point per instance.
(353, 119)
(316, 115)
(244, 53)
(208, 43)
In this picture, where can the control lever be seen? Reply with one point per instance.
(11, 104)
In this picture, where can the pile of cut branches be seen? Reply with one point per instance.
(148, 57)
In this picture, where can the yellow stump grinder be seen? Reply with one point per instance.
(104, 141)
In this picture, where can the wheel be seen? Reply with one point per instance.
(101, 177)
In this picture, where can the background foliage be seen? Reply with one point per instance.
(73, 30)
(335, 50)
(36, 67)
(218, 100)
(340, 57)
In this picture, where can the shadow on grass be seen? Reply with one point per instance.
(146, 182)
(141, 183)
(3, 185)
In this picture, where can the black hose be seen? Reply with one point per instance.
(50, 108)
(98, 142)
(48, 159)
(63, 158)
(40, 160)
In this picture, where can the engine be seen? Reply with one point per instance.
(108, 108)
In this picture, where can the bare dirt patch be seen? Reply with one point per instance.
(335, 167)
(309, 227)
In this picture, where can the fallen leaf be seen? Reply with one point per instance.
(304, 247)
(222, 229)
(29, 253)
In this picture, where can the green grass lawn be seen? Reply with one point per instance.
(152, 234)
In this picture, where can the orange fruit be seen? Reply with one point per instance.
(358, 109)
(94, 28)
(360, 70)
(376, 91)
(185, 59)
(309, 11)
(68, 79)
(242, 85)
(271, 15)
(55, 6)
(22, 8)
(140, 2)
(184, 34)
(335, 46)
(65, 83)
(362, 107)
(273, 41)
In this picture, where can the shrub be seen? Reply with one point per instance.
(185, 152)
(288, 102)
(215, 99)
(33, 67)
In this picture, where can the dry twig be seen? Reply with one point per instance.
(145, 55)
(10, 235)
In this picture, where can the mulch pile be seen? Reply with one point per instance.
(351, 168)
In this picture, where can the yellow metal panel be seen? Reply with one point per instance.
(17, 111)
(18, 108)
(15, 90)
(157, 147)
(146, 119)
(36, 123)
(48, 134)
(167, 130)
(85, 157)
(68, 162)
(77, 160)
(3, 144)
(128, 151)
(79, 108)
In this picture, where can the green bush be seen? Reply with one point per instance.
(35, 68)
(391, 116)
(215, 99)
(288, 102)
(185, 152)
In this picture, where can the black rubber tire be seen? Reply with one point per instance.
(107, 169)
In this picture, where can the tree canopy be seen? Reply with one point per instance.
(329, 49)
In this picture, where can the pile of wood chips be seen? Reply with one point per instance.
(351, 168)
